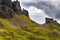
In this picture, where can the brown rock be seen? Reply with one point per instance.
(50, 20)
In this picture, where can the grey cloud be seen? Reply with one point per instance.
(29, 4)
(49, 8)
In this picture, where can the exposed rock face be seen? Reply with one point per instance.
(25, 12)
(8, 8)
(50, 20)
(16, 6)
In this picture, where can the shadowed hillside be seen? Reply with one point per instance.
(15, 24)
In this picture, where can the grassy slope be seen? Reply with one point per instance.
(22, 28)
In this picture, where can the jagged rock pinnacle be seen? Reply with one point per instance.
(8, 8)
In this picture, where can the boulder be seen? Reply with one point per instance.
(50, 20)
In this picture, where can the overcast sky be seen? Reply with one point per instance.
(40, 9)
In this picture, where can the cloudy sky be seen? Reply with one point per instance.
(40, 9)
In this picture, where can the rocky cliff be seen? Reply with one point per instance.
(50, 20)
(8, 8)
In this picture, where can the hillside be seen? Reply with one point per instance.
(15, 24)
(19, 28)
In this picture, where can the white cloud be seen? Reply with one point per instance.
(27, 0)
(39, 15)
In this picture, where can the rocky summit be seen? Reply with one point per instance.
(9, 8)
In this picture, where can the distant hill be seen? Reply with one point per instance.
(15, 24)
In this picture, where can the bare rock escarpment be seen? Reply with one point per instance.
(8, 8)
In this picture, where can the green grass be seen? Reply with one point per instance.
(30, 31)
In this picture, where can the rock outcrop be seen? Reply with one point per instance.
(8, 8)
(16, 6)
(50, 20)
(25, 12)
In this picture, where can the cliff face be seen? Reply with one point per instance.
(16, 6)
(50, 20)
(8, 8)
